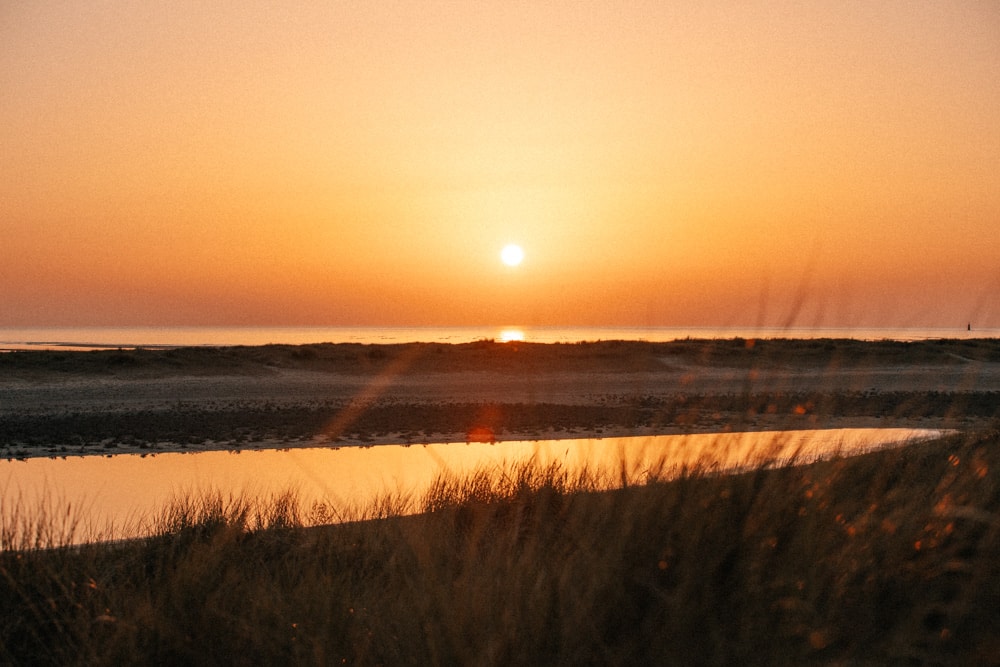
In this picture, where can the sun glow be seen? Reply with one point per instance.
(512, 255)
(604, 142)
(512, 336)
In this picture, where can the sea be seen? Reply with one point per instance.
(95, 338)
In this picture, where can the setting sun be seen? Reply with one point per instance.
(512, 255)
(347, 164)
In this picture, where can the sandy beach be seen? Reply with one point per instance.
(55, 403)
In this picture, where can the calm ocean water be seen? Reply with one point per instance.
(128, 337)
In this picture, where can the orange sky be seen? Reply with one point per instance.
(683, 163)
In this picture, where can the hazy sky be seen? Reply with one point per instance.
(661, 163)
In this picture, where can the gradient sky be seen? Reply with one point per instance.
(363, 163)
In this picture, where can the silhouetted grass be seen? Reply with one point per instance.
(887, 558)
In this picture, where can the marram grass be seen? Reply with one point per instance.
(888, 558)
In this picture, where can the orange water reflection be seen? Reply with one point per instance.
(511, 336)
(116, 496)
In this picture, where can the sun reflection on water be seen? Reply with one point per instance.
(511, 336)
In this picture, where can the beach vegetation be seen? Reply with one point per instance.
(892, 557)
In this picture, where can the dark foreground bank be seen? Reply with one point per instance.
(887, 558)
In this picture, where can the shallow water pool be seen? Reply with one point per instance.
(97, 498)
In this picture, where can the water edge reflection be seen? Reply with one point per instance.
(120, 496)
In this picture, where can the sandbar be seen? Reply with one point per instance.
(106, 402)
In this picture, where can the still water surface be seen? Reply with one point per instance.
(118, 496)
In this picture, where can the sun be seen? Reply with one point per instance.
(512, 254)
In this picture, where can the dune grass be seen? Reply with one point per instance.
(888, 558)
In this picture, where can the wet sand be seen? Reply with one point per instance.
(192, 399)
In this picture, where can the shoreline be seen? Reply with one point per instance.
(171, 337)
(349, 395)
(552, 434)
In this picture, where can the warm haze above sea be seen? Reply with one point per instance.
(27, 338)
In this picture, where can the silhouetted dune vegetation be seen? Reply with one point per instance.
(886, 558)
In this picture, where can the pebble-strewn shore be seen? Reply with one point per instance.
(191, 399)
